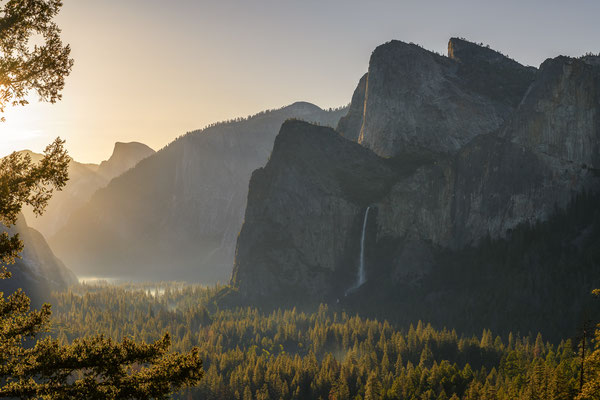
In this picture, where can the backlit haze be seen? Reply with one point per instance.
(151, 70)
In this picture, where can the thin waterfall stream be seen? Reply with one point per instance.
(362, 276)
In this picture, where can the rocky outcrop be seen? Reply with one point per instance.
(305, 213)
(38, 271)
(535, 152)
(415, 99)
(177, 214)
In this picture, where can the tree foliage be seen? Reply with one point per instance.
(32, 55)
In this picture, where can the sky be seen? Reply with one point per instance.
(152, 70)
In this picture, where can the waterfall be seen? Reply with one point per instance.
(361, 270)
(362, 277)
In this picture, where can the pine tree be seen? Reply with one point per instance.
(426, 359)
(339, 390)
(373, 390)
(247, 393)
(591, 387)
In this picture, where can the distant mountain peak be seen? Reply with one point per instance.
(305, 105)
(124, 157)
(124, 148)
(35, 157)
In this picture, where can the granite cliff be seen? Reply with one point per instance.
(414, 99)
(303, 211)
(447, 152)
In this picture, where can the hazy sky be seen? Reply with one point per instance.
(150, 70)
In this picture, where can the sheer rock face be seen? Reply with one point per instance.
(415, 99)
(304, 208)
(177, 214)
(301, 234)
(559, 117)
(545, 154)
(38, 271)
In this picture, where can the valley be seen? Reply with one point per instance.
(437, 237)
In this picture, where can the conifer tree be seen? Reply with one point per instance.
(591, 387)
(373, 388)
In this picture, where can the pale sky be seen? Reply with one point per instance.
(150, 70)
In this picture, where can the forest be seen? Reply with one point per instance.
(288, 354)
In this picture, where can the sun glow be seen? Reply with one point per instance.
(23, 128)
